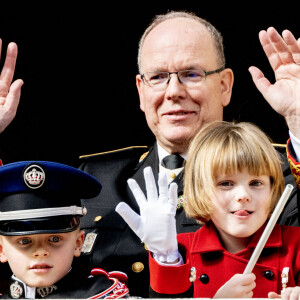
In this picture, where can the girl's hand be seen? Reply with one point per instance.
(238, 286)
(292, 293)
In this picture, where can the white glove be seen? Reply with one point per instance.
(156, 224)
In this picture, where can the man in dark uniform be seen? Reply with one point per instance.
(183, 84)
(40, 212)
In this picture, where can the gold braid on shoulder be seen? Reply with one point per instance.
(294, 165)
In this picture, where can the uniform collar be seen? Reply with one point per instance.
(19, 289)
(207, 240)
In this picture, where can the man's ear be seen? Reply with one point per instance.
(79, 243)
(3, 257)
(139, 85)
(226, 78)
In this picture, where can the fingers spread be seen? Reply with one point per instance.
(163, 186)
(173, 194)
(8, 70)
(293, 45)
(151, 188)
(276, 48)
(13, 98)
(129, 216)
(280, 46)
(137, 192)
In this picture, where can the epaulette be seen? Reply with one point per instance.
(113, 151)
(294, 165)
(142, 157)
(280, 147)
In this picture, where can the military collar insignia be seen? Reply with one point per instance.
(34, 176)
(16, 290)
(46, 290)
(89, 242)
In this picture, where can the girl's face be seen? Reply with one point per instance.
(41, 259)
(240, 206)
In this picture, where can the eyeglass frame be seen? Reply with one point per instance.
(170, 73)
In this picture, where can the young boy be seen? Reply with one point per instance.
(40, 233)
(233, 181)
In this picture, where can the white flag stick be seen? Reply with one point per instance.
(264, 237)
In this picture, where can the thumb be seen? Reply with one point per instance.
(13, 97)
(130, 217)
(260, 81)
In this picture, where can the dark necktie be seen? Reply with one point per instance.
(173, 161)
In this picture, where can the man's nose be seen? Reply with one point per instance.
(175, 89)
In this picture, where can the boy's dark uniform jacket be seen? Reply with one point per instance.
(77, 285)
(116, 246)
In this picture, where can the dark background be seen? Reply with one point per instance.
(78, 63)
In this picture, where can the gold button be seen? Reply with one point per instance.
(98, 218)
(146, 248)
(193, 273)
(137, 267)
(173, 175)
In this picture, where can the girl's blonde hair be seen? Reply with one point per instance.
(226, 148)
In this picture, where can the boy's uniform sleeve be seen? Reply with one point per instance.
(169, 280)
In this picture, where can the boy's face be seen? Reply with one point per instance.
(41, 259)
(240, 205)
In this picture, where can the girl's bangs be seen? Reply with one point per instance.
(234, 156)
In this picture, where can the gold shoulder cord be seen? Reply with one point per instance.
(113, 151)
(295, 168)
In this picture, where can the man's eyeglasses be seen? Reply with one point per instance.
(160, 80)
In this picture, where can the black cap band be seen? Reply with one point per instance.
(58, 224)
